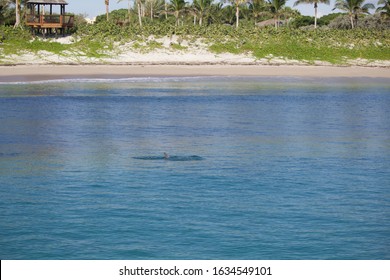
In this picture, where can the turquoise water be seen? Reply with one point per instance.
(258, 168)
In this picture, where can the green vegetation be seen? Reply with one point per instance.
(335, 46)
(354, 8)
(178, 47)
(315, 3)
(289, 36)
(327, 19)
(384, 8)
(18, 40)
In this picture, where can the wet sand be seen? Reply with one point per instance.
(25, 73)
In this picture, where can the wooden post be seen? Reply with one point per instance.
(62, 19)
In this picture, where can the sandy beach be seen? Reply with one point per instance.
(52, 72)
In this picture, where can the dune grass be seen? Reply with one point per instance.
(329, 45)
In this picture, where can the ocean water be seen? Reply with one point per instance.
(258, 168)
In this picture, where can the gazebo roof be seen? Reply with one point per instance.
(53, 2)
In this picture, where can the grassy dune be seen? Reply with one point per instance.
(104, 39)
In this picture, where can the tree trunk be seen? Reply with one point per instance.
(17, 14)
(129, 12)
(315, 14)
(166, 9)
(351, 18)
(237, 16)
(139, 14)
(177, 18)
(356, 20)
(107, 9)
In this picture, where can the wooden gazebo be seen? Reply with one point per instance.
(39, 20)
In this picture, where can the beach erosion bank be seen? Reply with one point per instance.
(27, 73)
(193, 59)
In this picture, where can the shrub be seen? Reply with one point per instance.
(325, 20)
(302, 21)
(373, 22)
(366, 22)
(8, 33)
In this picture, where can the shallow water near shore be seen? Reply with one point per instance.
(269, 168)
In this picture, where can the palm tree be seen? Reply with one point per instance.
(354, 8)
(152, 6)
(315, 2)
(139, 9)
(128, 9)
(216, 12)
(257, 7)
(385, 9)
(202, 7)
(237, 4)
(107, 2)
(3, 8)
(276, 8)
(166, 9)
(177, 6)
(17, 13)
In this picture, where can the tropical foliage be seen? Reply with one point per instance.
(5, 12)
(258, 9)
(375, 21)
(237, 4)
(202, 9)
(177, 8)
(276, 9)
(385, 9)
(315, 2)
(206, 12)
(354, 8)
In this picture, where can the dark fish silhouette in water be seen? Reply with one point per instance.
(9, 154)
(171, 158)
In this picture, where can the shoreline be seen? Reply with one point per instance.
(31, 73)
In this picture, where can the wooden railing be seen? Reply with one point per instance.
(50, 21)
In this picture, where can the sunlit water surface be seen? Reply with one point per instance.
(268, 168)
